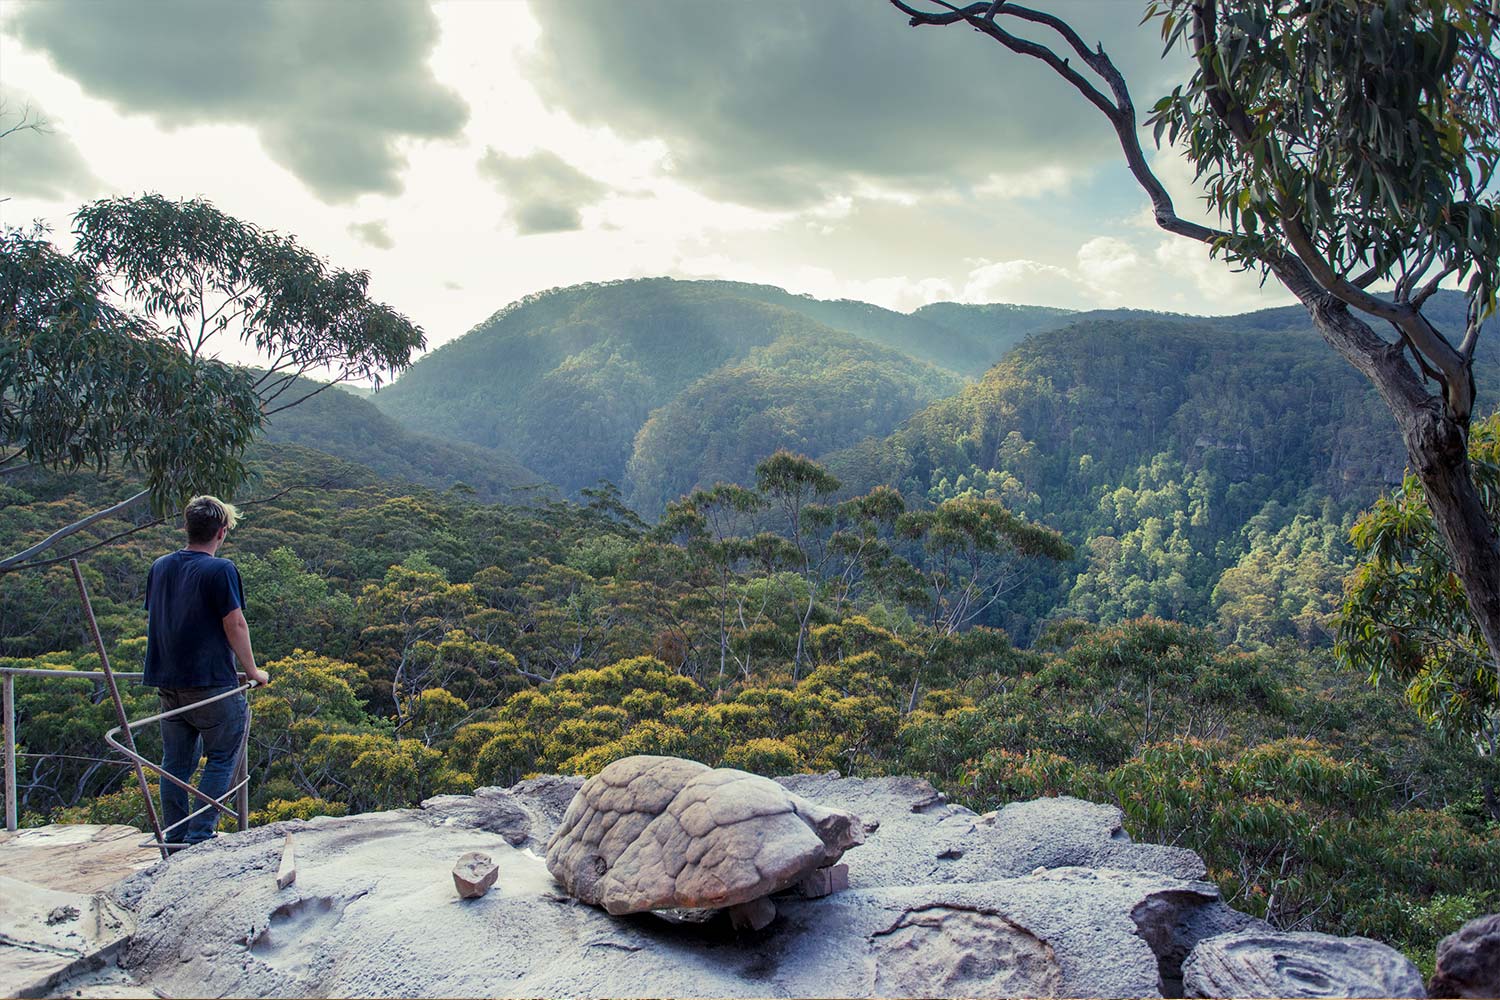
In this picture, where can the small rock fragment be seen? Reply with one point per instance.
(474, 874)
(62, 914)
(822, 881)
(1468, 961)
(754, 915)
(951, 853)
(286, 873)
(934, 798)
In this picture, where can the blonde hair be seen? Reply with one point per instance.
(204, 516)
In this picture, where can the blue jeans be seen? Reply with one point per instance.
(211, 731)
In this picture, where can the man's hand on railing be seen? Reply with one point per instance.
(258, 676)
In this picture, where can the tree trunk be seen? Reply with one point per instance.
(1437, 451)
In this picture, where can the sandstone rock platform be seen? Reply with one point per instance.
(1040, 898)
(50, 935)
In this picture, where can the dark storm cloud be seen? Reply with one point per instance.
(330, 87)
(373, 233)
(779, 103)
(545, 192)
(39, 161)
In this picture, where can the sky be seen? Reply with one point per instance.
(469, 152)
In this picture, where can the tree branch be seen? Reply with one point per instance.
(40, 563)
(303, 399)
(1430, 289)
(14, 562)
(8, 567)
(1121, 113)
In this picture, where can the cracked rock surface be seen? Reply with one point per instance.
(1041, 898)
(655, 833)
(1262, 963)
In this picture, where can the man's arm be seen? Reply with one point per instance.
(237, 631)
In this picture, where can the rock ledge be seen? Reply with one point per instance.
(1039, 898)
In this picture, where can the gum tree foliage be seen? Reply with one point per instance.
(108, 358)
(1345, 146)
(203, 274)
(84, 383)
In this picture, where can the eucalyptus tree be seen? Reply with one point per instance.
(108, 356)
(705, 524)
(1404, 618)
(83, 382)
(1346, 147)
(794, 485)
(206, 276)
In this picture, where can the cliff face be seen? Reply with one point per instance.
(1040, 898)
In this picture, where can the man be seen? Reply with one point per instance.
(195, 634)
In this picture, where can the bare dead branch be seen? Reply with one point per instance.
(18, 561)
(7, 567)
(30, 121)
(305, 398)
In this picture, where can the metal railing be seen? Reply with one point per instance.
(240, 782)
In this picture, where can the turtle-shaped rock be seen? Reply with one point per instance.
(663, 833)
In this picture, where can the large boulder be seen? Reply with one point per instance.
(664, 833)
(1261, 963)
(1468, 961)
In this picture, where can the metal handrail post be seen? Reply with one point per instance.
(114, 692)
(242, 778)
(10, 754)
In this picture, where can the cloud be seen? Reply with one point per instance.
(1111, 267)
(784, 104)
(1169, 274)
(40, 161)
(1194, 277)
(331, 89)
(374, 233)
(545, 192)
(1024, 282)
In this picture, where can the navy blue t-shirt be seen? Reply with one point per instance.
(187, 596)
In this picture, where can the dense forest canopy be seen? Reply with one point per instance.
(1176, 453)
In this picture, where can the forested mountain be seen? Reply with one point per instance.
(340, 423)
(1177, 454)
(965, 339)
(993, 328)
(566, 381)
(1205, 468)
(810, 394)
